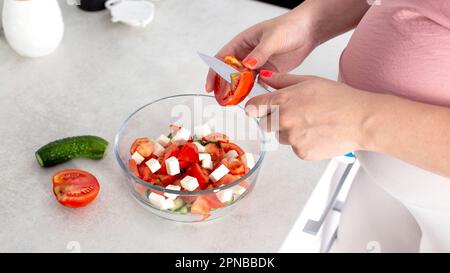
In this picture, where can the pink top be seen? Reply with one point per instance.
(402, 47)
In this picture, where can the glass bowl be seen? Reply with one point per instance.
(189, 111)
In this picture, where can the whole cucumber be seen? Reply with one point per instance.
(65, 149)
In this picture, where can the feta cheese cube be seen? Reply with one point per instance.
(189, 183)
(238, 190)
(163, 140)
(168, 204)
(248, 160)
(232, 154)
(157, 200)
(153, 165)
(204, 156)
(182, 136)
(200, 147)
(172, 196)
(172, 165)
(201, 131)
(138, 158)
(218, 173)
(207, 164)
(158, 149)
(225, 196)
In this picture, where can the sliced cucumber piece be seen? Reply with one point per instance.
(184, 209)
(178, 204)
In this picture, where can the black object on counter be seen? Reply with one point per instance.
(92, 5)
(290, 4)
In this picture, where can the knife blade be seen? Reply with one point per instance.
(224, 71)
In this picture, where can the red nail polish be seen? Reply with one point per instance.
(250, 62)
(266, 73)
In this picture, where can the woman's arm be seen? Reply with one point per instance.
(330, 18)
(320, 119)
(414, 132)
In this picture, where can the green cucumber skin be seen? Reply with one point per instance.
(63, 150)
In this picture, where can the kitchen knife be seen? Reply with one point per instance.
(224, 71)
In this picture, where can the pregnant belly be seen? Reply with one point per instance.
(398, 50)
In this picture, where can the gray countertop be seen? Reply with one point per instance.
(97, 77)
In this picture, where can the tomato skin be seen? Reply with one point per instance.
(241, 84)
(231, 146)
(215, 152)
(188, 152)
(216, 137)
(75, 188)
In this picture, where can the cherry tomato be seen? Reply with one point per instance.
(215, 152)
(144, 146)
(216, 137)
(75, 188)
(188, 152)
(241, 84)
(231, 146)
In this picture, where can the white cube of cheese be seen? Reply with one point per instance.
(172, 196)
(200, 147)
(172, 165)
(201, 131)
(207, 164)
(248, 160)
(138, 158)
(168, 204)
(218, 173)
(189, 183)
(157, 200)
(232, 154)
(238, 190)
(158, 149)
(225, 196)
(153, 165)
(182, 136)
(204, 156)
(163, 140)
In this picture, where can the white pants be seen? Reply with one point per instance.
(395, 207)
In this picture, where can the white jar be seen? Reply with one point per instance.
(33, 28)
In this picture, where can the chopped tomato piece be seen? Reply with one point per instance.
(213, 201)
(145, 173)
(201, 206)
(144, 146)
(216, 137)
(75, 188)
(235, 167)
(227, 179)
(215, 152)
(184, 164)
(167, 179)
(188, 152)
(171, 150)
(196, 171)
(231, 146)
(241, 84)
(133, 167)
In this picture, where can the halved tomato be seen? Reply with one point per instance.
(188, 152)
(144, 146)
(75, 188)
(231, 146)
(215, 151)
(216, 137)
(241, 84)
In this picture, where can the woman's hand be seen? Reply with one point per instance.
(279, 44)
(319, 118)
